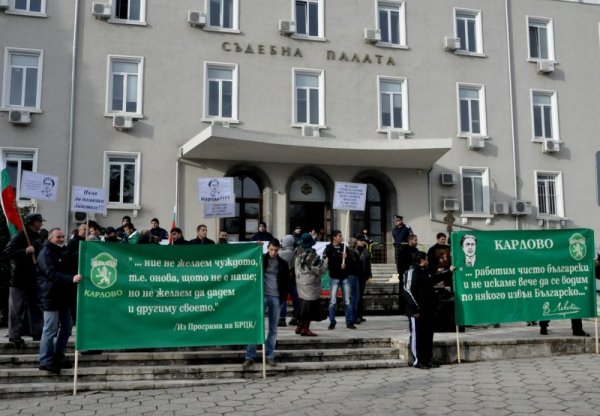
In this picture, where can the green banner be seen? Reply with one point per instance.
(150, 296)
(511, 276)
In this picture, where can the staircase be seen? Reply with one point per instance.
(382, 273)
(164, 368)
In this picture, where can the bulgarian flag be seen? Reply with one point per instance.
(9, 206)
(173, 224)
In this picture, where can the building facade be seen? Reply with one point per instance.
(479, 113)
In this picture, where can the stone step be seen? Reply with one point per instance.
(133, 378)
(176, 357)
(32, 347)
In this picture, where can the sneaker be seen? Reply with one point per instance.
(271, 362)
(247, 364)
(51, 369)
(581, 333)
(281, 322)
(293, 322)
(351, 326)
(331, 326)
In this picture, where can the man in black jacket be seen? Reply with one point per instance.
(420, 307)
(21, 250)
(55, 288)
(276, 289)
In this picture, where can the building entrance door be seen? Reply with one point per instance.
(310, 215)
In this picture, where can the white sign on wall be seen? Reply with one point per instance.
(215, 190)
(350, 196)
(88, 200)
(219, 210)
(39, 186)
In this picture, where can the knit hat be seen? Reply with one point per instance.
(307, 240)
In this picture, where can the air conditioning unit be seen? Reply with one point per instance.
(4, 4)
(101, 10)
(475, 142)
(19, 117)
(519, 207)
(500, 208)
(395, 135)
(122, 122)
(196, 19)
(372, 35)
(287, 27)
(545, 66)
(221, 123)
(550, 146)
(448, 178)
(310, 131)
(451, 44)
(81, 217)
(450, 204)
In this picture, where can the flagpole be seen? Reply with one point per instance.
(26, 235)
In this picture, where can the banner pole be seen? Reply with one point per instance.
(596, 333)
(264, 362)
(457, 345)
(347, 231)
(75, 366)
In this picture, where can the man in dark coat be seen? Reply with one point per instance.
(21, 250)
(55, 285)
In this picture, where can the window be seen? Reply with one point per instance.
(125, 85)
(248, 207)
(392, 23)
(308, 15)
(33, 7)
(309, 97)
(471, 110)
(22, 78)
(541, 38)
(220, 91)
(549, 193)
(18, 160)
(544, 115)
(468, 29)
(131, 10)
(393, 103)
(222, 14)
(122, 179)
(475, 191)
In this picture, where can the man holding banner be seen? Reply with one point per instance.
(276, 288)
(55, 287)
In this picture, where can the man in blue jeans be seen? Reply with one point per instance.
(55, 285)
(340, 265)
(276, 276)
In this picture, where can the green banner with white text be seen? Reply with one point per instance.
(151, 296)
(511, 276)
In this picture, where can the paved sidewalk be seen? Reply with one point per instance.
(565, 385)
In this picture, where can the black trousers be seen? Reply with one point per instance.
(576, 325)
(421, 338)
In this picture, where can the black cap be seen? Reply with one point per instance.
(398, 217)
(31, 218)
(307, 240)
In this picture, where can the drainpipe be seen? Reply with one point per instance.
(512, 108)
(72, 112)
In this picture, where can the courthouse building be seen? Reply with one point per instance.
(484, 113)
